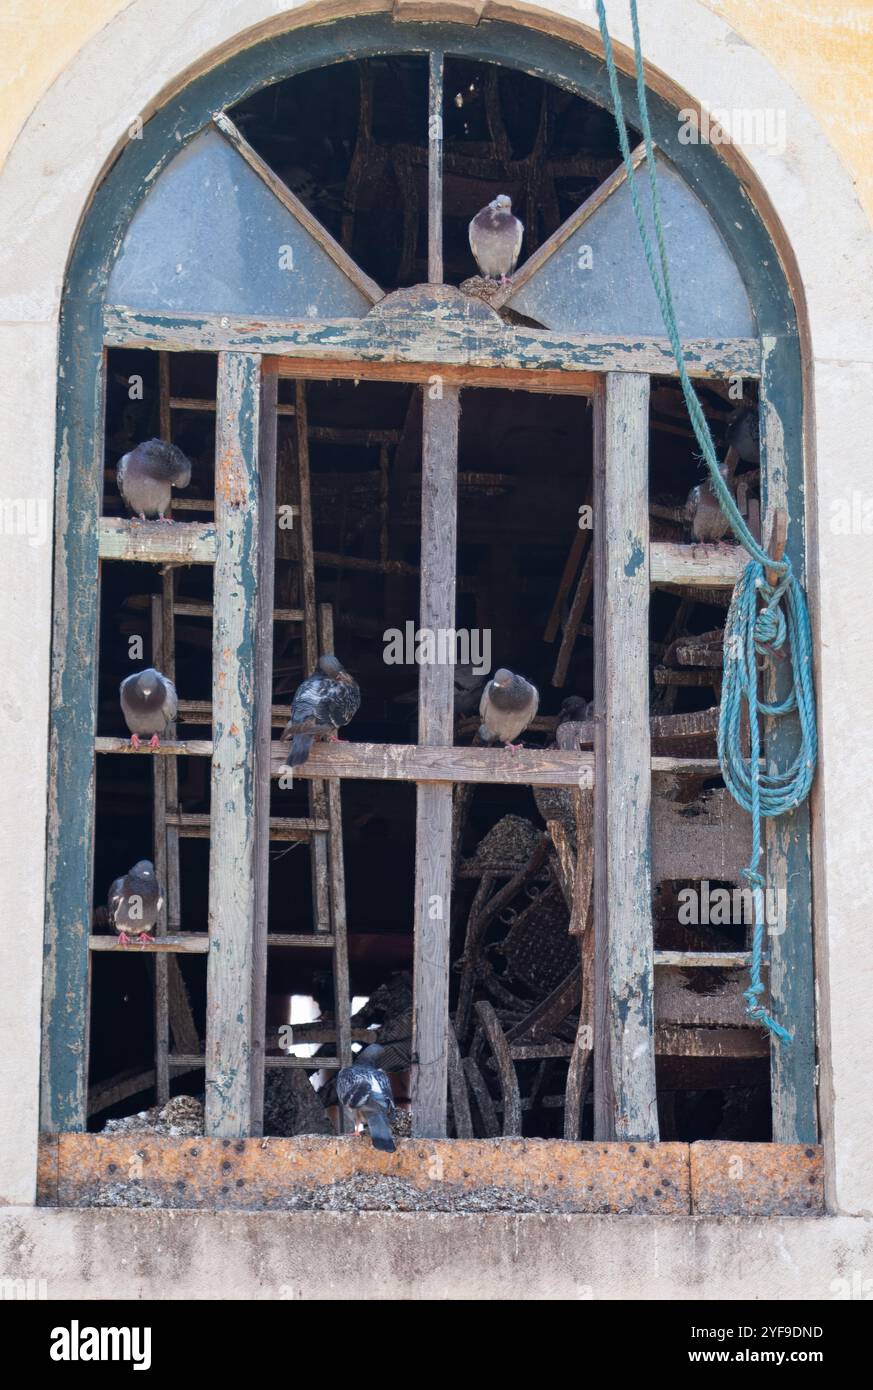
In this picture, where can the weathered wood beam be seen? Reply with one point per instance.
(696, 566)
(265, 559)
(157, 542)
(75, 638)
(438, 345)
(342, 997)
(174, 943)
(234, 682)
(435, 168)
(194, 747)
(433, 833)
(505, 1067)
(625, 1093)
(787, 843)
(159, 802)
(716, 960)
(409, 762)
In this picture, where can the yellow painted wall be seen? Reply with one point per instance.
(823, 47)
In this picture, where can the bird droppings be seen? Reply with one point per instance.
(181, 1117)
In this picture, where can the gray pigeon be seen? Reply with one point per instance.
(134, 902)
(148, 703)
(495, 239)
(509, 703)
(326, 701)
(703, 511)
(147, 475)
(576, 710)
(366, 1090)
(744, 434)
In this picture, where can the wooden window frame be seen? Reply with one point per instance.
(424, 344)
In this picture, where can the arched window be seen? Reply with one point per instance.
(275, 274)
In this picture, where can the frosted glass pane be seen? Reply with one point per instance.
(210, 237)
(607, 289)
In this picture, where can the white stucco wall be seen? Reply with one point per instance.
(44, 191)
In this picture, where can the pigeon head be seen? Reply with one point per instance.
(329, 665)
(502, 203)
(144, 868)
(575, 708)
(503, 678)
(149, 686)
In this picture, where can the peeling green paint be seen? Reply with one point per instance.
(636, 558)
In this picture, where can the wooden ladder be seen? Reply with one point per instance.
(321, 828)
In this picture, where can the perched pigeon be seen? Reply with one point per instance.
(326, 701)
(148, 703)
(366, 1091)
(744, 435)
(468, 689)
(148, 474)
(704, 513)
(134, 902)
(576, 710)
(495, 239)
(509, 703)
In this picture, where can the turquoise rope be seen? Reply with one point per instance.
(750, 631)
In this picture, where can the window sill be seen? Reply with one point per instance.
(313, 1173)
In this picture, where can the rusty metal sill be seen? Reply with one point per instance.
(524, 1175)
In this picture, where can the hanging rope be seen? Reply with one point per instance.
(762, 616)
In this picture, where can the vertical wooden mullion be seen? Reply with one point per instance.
(266, 569)
(70, 848)
(232, 857)
(342, 998)
(317, 793)
(789, 939)
(433, 832)
(625, 1093)
(435, 168)
(159, 784)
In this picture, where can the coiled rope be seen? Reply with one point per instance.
(762, 616)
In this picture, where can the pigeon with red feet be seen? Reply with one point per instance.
(134, 902)
(325, 702)
(148, 703)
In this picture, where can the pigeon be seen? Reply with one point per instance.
(326, 701)
(147, 476)
(134, 902)
(495, 239)
(148, 703)
(366, 1090)
(509, 703)
(744, 434)
(468, 688)
(576, 710)
(704, 513)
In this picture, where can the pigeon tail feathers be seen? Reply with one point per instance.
(380, 1132)
(301, 746)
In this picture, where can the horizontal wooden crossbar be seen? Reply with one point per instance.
(410, 762)
(180, 944)
(157, 542)
(194, 542)
(715, 960)
(376, 346)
